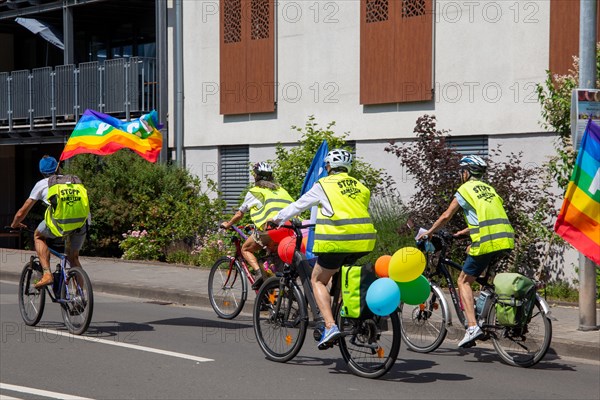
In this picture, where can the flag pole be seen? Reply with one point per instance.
(587, 80)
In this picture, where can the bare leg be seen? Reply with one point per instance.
(248, 249)
(42, 250)
(466, 295)
(320, 279)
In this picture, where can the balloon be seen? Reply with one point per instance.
(303, 246)
(381, 266)
(407, 264)
(383, 296)
(415, 292)
(277, 235)
(286, 249)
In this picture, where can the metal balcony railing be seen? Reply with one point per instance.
(46, 98)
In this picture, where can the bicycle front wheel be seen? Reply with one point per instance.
(280, 319)
(31, 300)
(77, 301)
(227, 287)
(424, 325)
(522, 346)
(369, 346)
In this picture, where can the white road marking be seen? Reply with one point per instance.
(38, 392)
(126, 345)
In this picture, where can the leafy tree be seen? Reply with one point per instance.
(434, 165)
(290, 166)
(129, 195)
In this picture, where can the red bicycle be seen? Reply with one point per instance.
(230, 278)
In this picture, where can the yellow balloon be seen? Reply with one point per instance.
(407, 264)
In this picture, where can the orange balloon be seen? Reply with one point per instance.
(382, 265)
(286, 249)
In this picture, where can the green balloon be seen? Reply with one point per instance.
(415, 292)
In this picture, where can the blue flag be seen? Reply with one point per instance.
(315, 172)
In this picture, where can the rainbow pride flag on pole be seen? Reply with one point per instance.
(102, 134)
(579, 219)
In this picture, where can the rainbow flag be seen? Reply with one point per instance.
(579, 219)
(102, 134)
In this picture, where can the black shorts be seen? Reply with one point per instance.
(336, 260)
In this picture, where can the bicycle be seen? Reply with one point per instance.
(229, 277)
(424, 327)
(369, 344)
(72, 289)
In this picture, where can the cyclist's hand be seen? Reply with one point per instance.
(20, 225)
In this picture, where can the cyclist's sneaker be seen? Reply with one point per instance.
(257, 283)
(472, 333)
(47, 279)
(329, 335)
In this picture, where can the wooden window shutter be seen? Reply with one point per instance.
(396, 51)
(247, 56)
(564, 35)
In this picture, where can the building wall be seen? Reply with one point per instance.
(7, 52)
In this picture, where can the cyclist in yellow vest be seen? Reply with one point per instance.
(489, 228)
(263, 201)
(344, 231)
(73, 240)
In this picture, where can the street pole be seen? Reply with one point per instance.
(587, 80)
(162, 69)
(179, 82)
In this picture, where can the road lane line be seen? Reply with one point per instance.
(126, 345)
(38, 392)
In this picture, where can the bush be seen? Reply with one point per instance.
(129, 195)
(523, 189)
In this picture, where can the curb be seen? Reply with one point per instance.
(558, 347)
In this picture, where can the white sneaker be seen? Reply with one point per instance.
(472, 333)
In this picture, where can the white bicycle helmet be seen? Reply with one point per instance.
(339, 158)
(263, 170)
(474, 164)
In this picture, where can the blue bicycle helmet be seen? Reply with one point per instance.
(474, 164)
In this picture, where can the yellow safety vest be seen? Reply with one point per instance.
(274, 200)
(69, 204)
(494, 231)
(350, 228)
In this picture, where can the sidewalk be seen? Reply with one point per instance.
(189, 286)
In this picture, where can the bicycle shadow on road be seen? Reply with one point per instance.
(549, 362)
(114, 328)
(201, 323)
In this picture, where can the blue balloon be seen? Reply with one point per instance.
(383, 296)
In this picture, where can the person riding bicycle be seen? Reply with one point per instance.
(46, 229)
(488, 225)
(344, 231)
(263, 201)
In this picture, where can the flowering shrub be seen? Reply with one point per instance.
(206, 249)
(139, 245)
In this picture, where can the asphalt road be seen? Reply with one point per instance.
(136, 349)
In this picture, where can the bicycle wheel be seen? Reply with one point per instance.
(227, 287)
(77, 301)
(280, 319)
(31, 300)
(369, 346)
(521, 346)
(424, 325)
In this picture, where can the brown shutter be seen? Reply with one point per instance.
(260, 57)
(247, 58)
(395, 51)
(564, 34)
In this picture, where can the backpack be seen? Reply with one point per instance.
(355, 282)
(69, 204)
(515, 299)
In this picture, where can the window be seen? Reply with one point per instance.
(234, 173)
(477, 145)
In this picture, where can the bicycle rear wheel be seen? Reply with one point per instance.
(521, 346)
(227, 287)
(31, 300)
(77, 301)
(280, 319)
(424, 325)
(369, 346)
